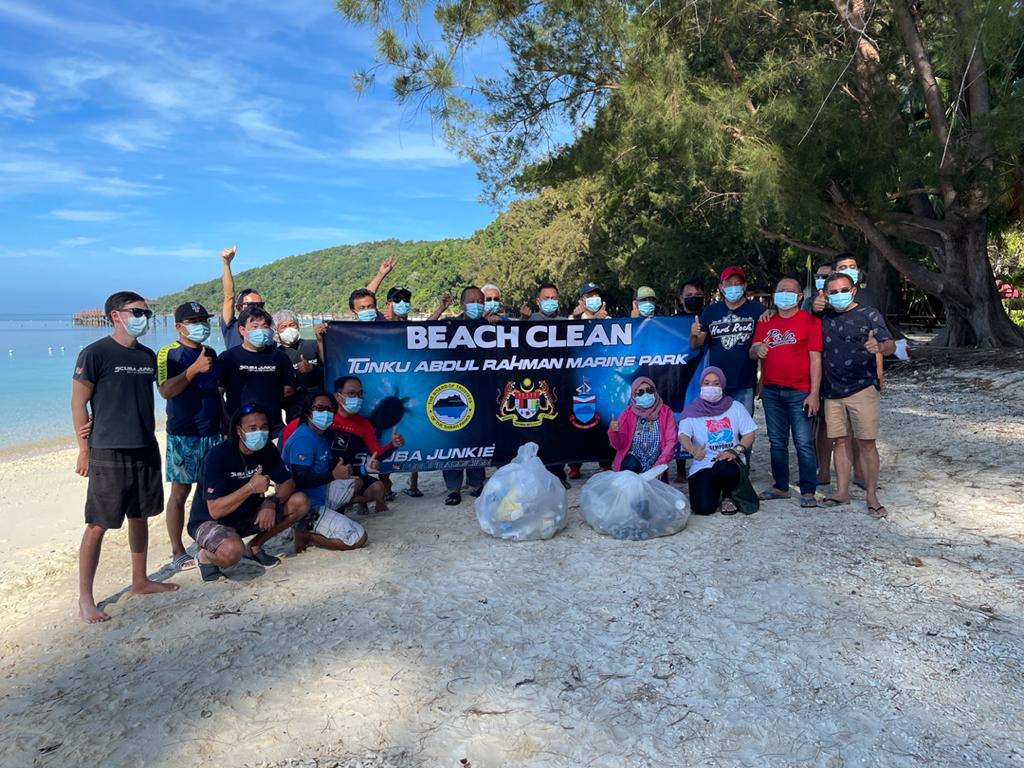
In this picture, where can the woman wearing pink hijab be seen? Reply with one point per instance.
(644, 435)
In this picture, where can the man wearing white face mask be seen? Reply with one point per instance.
(788, 345)
(186, 375)
(113, 379)
(257, 371)
(305, 357)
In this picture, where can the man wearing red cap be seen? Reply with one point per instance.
(727, 327)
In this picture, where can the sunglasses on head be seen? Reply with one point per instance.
(645, 391)
(245, 410)
(834, 291)
(137, 311)
(256, 304)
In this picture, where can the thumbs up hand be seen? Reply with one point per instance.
(695, 328)
(396, 439)
(341, 471)
(819, 302)
(373, 464)
(259, 482)
(762, 351)
(614, 425)
(303, 366)
(872, 345)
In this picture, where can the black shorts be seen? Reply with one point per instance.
(123, 482)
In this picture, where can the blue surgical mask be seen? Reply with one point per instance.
(259, 337)
(592, 303)
(321, 419)
(255, 441)
(197, 332)
(549, 306)
(492, 306)
(367, 315)
(401, 308)
(840, 301)
(646, 400)
(732, 292)
(819, 283)
(136, 326)
(785, 299)
(474, 310)
(646, 308)
(353, 404)
(853, 272)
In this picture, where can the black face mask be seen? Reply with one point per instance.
(693, 304)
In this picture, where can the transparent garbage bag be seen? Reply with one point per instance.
(626, 505)
(522, 501)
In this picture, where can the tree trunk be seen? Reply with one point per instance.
(984, 322)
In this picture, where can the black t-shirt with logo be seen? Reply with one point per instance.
(256, 377)
(122, 393)
(308, 382)
(196, 410)
(226, 469)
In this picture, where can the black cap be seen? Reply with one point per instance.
(396, 291)
(191, 310)
(588, 288)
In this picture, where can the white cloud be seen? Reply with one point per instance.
(257, 126)
(76, 242)
(71, 214)
(14, 102)
(66, 26)
(398, 147)
(181, 252)
(116, 187)
(131, 135)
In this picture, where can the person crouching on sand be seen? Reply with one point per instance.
(644, 435)
(231, 502)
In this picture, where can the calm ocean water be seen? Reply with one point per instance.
(37, 357)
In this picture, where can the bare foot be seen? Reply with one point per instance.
(300, 541)
(153, 587)
(380, 506)
(90, 613)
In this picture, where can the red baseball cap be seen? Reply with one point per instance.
(733, 271)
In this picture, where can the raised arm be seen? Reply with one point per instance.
(227, 281)
(382, 271)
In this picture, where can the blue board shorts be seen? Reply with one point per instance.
(185, 454)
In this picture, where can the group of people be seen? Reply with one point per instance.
(225, 412)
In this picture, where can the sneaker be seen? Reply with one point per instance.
(261, 557)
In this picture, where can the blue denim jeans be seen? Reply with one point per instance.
(784, 412)
(744, 396)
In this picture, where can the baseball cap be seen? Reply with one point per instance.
(396, 291)
(588, 288)
(733, 271)
(191, 310)
(645, 292)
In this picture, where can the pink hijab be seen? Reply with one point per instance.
(651, 414)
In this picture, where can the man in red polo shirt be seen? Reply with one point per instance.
(789, 348)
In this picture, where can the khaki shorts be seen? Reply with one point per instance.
(861, 408)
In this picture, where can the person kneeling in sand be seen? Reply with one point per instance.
(308, 456)
(230, 502)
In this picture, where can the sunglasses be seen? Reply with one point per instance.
(840, 290)
(137, 312)
(245, 410)
(321, 408)
(352, 394)
(645, 391)
(256, 304)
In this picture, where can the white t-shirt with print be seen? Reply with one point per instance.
(717, 433)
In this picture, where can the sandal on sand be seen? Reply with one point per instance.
(772, 494)
(728, 507)
(208, 571)
(183, 562)
(261, 557)
(453, 498)
(475, 493)
(831, 502)
(808, 501)
(878, 512)
(413, 492)
(390, 496)
(861, 484)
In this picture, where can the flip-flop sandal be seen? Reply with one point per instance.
(861, 484)
(183, 562)
(208, 571)
(771, 494)
(390, 496)
(453, 499)
(808, 502)
(261, 557)
(824, 482)
(731, 509)
(413, 492)
(878, 512)
(476, 493)
(830, 502)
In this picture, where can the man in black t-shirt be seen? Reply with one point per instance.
(113, 380)
(231, 502)
(305, 357)
(186, 374)
(257, 371)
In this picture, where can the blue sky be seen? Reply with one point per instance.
(138, 138)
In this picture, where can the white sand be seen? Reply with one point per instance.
(794, 637)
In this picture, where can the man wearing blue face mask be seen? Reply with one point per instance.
(492, 303)
(232, 502)
(846, 263)
(591, 304)
(820, 275)
(853, 335)
(644, 302)
(363, 303)
(186, 376)
(727, 326)
(258, 371)
(547, 304)
(398, 304)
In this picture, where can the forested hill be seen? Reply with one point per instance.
(320, 281)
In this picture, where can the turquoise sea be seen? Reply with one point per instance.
(37, 357)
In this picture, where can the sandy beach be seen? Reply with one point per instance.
(793, 637)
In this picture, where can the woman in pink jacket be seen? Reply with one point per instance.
(644, 435)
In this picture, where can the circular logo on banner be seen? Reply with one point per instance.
(450, 406)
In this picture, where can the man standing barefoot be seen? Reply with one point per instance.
(113, 380)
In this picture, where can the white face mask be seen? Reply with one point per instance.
(289, 335)
(711, 394)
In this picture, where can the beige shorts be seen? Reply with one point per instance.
(861, 409)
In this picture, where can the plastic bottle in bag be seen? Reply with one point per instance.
(522, 501)
(626, 505)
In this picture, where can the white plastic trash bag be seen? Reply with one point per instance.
(626, 505)
(522, 501)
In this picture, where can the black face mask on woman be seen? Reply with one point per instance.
(693, 304)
